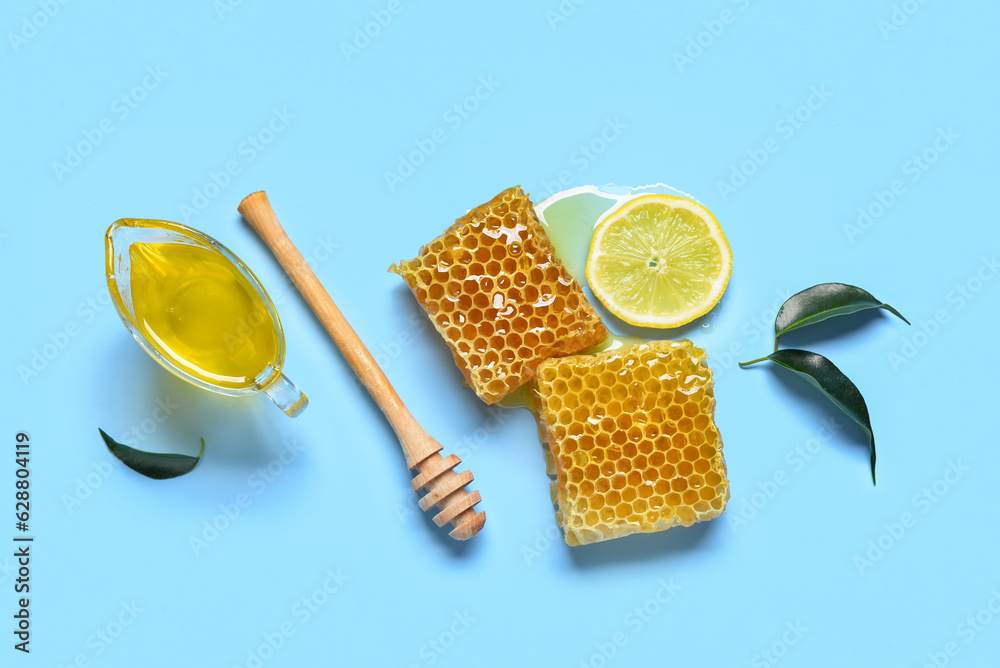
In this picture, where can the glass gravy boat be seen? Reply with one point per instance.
(198, 310)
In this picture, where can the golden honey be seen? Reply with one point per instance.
(202, 314)
(632, 440)
(498, 295)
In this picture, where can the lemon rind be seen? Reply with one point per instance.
(719, 284)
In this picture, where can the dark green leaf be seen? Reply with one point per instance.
(831, 381)
(823, 301)
(152, 464)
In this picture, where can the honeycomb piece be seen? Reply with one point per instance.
(496, 292)
(632, 440)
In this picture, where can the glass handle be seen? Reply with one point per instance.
(286, 396)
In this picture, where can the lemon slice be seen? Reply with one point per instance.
(659, 261)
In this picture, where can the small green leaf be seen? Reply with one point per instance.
(152, 464)
(822, 374)
(823, 301)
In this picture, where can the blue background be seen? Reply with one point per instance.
(818, 570)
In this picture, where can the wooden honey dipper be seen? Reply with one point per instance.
(445, 488)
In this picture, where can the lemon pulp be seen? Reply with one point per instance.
(659, 261)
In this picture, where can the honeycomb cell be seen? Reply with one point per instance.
(501, 274)
(653, 476)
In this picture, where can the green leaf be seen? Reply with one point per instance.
(822, 374)
(159, 466)
(823, 301)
